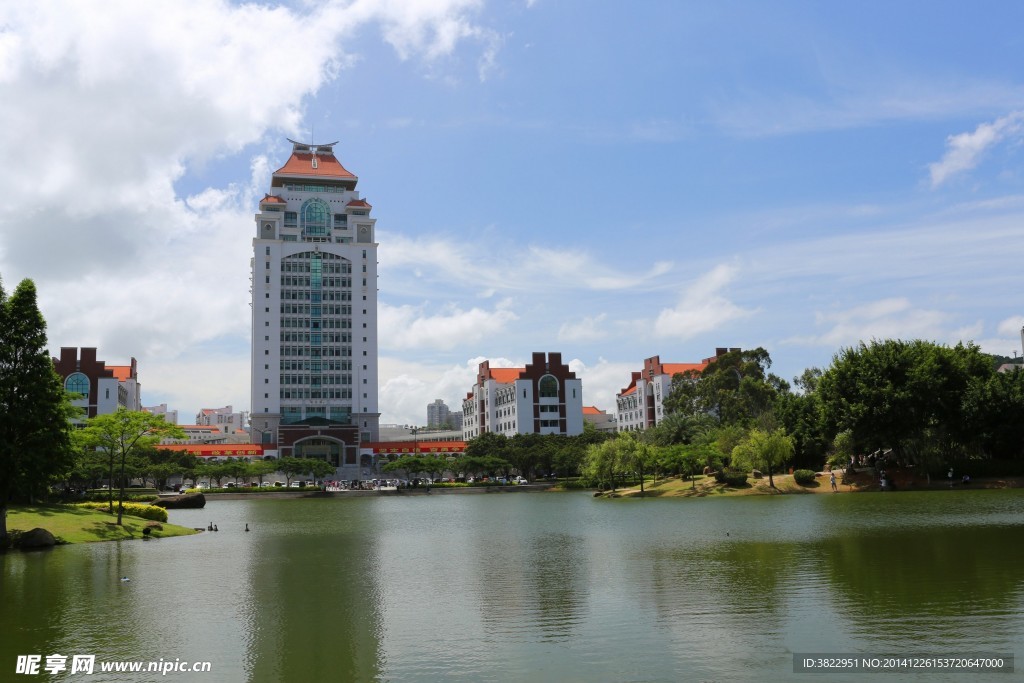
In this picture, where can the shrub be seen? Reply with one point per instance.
(157, 514)
(803, 477)
(731, 477)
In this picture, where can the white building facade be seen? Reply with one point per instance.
(545, 397)
(640, 405)
(225, 418)
(314, 312)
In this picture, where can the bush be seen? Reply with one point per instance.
(157, 514)
(731, 477)
(804, 477)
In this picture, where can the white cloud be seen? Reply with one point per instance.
(589, 328)
(510, 267)
(964, 151)
(890, 318)
(411, 327)
(112, 108)
(603, 380)
(1011, 326)
(702, 308)
(408, 386)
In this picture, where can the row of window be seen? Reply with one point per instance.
(315, 393)
(315, 380)
(317, 338)
(316, 366)
(318, 323)
(325, 352)
(314, 188)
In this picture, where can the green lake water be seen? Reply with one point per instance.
(535, 587)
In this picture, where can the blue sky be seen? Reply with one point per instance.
(610, 181)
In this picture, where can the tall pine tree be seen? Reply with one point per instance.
(35, 435)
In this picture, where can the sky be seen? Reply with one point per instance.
(610, 181)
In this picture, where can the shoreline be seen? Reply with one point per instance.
(433, 491)
(74, 526)
(862, 482)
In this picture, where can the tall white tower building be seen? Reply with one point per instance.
(314, 313)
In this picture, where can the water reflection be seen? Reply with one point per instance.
(533, 587)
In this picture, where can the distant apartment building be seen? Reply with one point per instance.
(225, 418)
(102, 388)
(438, 414)
(544, 397)
(170, 416)
(640, 405)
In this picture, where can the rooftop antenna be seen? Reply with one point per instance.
(312, 137)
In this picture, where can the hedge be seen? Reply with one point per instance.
(804, 477)
(157, 514)
(731, 477)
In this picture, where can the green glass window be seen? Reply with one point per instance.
(77, 383)
(548, 387)
(315, 215)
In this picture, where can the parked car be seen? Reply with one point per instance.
(279, 484)
(520, 480)
(265, 484)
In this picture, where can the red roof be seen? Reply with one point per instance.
(591, 410)
(301, 164)
(671, 369)
(272, 199)
(121, 372)
(505, 375)
(232, 450)
(360, 202)
(628, 391)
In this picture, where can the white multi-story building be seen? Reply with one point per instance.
(545, 397)
(226, 418)
(170, 416)
(641, 404)
(314, 312)
(101, 388)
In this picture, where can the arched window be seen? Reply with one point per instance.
(77, 383)
(548, 387)
(315, 214)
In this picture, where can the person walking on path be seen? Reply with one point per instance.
(832, 480)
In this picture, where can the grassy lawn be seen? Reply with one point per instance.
(78, 525)
(702, 486)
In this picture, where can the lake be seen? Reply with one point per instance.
(534, 587)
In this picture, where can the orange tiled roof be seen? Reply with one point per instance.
(121, 372)
(360, 202)
(672, 368)
(272, 199)
(327, 166)
(506, 375)
(591, 410)
(628, 391)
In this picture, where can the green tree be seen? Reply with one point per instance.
(261, 468)
(291, 467)
(994, 410)
(123, 435)
(35, 440)
(636, 456)
(735, 388)
(765, 451)
(904, 395)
